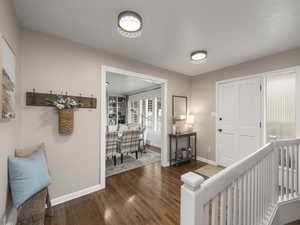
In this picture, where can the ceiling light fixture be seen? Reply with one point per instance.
(130, 24)
(198, 56)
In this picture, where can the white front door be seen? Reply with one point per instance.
(239, 119)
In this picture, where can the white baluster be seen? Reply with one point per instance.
(287, 169)
(276, 175)
(223, 208)
(260, 192)
(245, 198)
(256, 208)
(292, 154)
(282, 173)
(270, 175)
(267, 185)
(297, 170)
(205, 215)
(252, 196)
(265, 189)
(235, 203)
(214, 210)
(249, 199)
(241, 205)
(229, 205)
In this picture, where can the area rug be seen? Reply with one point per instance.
(209, 170)
(130, 162)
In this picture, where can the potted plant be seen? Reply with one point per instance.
(65, 106)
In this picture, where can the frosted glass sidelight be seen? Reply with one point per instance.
(281, 106)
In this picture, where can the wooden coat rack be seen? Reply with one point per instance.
(41, 99)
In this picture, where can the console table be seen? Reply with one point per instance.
(176, 161)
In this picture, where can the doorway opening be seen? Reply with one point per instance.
(133, 121)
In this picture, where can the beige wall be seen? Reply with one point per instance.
(204, 90)
(8, 130)
(50, 63)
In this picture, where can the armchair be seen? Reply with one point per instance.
(112, 145)
(129, 143)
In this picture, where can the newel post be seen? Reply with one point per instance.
(190, 207)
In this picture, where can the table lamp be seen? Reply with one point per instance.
(190, 122)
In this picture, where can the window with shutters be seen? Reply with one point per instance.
(158, 120)
(133, 111)
(147, 112)
(150, 113)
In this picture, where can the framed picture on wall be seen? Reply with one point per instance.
(7, 80)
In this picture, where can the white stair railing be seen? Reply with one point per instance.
(246, 193)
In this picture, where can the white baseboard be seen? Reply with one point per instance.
(211, 162)
(165, 163)
(77, 194)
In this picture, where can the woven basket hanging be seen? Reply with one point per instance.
(66, 121)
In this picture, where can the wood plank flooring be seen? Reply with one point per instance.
(294, 223)
(145, 196)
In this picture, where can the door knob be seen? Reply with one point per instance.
(220, 130)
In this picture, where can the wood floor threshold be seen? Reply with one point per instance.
(153, 148)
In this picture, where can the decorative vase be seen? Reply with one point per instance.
(174, 129)
(65, 121)
(184, 153)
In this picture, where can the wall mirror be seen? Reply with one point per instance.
(179, 107)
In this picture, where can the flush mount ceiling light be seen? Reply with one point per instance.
(198, 56)
(130, 24)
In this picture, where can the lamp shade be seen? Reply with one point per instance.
(190, 119)
(181, 117)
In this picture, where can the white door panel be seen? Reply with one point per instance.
(247, 146)
(227, 140)
(239, 118)
(227, 123)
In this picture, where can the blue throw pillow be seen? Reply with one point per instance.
(27, 176)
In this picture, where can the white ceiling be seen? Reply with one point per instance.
(232, 31)
(127, 85)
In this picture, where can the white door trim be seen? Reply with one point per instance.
(164, 147)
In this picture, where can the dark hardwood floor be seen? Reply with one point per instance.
(294, 223)
(145, 196)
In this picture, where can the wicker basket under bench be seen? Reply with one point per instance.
(33, 211)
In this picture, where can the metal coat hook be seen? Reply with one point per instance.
(79, 100)
(91, 101)
(33, 96)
